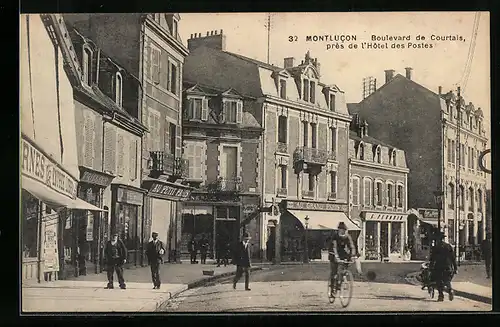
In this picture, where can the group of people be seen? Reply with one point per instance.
(223, 251)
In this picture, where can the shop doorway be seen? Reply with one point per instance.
(226, 235)
(384, 239)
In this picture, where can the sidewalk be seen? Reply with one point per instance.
(88, 293)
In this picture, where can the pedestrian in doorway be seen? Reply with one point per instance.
(203, 249)
(192, 248)
(115, 254)
(443, 265)
(154, 252)
(486, 252)
(243, 264)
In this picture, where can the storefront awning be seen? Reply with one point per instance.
(44, 193)
(83, 205)
(323, 219)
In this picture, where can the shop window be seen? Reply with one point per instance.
(396, 238)
(371, 241)
(29, 227)
(128, 219)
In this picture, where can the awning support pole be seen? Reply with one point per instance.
(39, 242)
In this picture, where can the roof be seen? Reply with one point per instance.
(368, 139)
(352, 108)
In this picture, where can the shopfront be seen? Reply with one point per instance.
(384, 236)
(162, 214)
(126, 219)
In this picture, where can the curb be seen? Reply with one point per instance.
(411, 279)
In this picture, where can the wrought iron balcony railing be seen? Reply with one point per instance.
(222, 185)
(310, 155)
(162, 162)
(181, 168)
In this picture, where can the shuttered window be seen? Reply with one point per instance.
(147, 61)
(133, 160)
(173, 79)
(154, 140)
(194, 153)
(233, 112)
(109, 149)
(88, 148)
(368, 192)
(121, 154)
(355, 191)
(155, 64)
(164, 70)
(178, 141)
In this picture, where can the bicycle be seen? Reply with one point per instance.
(345, 286)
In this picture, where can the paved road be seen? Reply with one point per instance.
(303, 288)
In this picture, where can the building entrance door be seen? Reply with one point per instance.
(384, 239)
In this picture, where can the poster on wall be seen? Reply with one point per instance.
(50, 251)
(90, 227)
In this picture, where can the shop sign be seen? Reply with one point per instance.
(168, 190)
(38, 166)
(129, 196)
(50, 253)
(90, 227)
(96, 178)
(429, 213)
(302, 205)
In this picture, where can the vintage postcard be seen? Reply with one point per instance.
(312, 162)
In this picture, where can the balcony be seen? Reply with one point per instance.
(282, 147)
(282, 192)
(311, 156)
(223, 185)
(162, 162)
(181, 168)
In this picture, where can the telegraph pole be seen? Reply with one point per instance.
(457, 177)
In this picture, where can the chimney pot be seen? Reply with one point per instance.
(408, 72)
(220, 31)
(440, 90)
(389, 74)
(191, 36)
(207, 33)
(289, 62)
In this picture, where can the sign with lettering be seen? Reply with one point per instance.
(169, 191)
(129, 196)
(303, 205)
(90, 226)
(38, 166)
(428, 213)
(50, 252)
(96, 178)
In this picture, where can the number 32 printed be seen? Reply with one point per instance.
(293, 38)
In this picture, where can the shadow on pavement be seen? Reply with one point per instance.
(403, 298)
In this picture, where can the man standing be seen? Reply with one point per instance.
(242, 257)
(443, 266)
(486, 251)
(154, 253)
(204, 249)
(192, 248)
(115, 254)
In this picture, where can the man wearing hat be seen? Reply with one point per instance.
(242, 260)
(115, 254)
(443, 265)
(154, 252)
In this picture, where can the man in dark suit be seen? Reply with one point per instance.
(115, 254)
(444, 266)
(242, 260)
(154, 252)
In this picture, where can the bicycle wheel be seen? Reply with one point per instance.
(346, 287)
(331, 291)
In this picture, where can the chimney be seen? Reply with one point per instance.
(289, 62)
(211, 40)
(389, 74)
(408, 72)
(440, 90)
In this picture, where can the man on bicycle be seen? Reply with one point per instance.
(341, 248)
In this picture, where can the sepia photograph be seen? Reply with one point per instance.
(255, 162)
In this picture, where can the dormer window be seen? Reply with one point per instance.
(378, 156)
(232, 111)
(361, 151)
(118, 89)
(312, 92)
(87, 66)
(393, 157)
(174, 27)
(282, 88)
(305, 95)
(331, 102)
(197, 109)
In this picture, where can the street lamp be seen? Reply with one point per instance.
(306, 254)
(438, 196)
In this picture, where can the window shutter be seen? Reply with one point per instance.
(147, 59)
(188, 109)
(178, 139)
(163, 70)
(157, 139)
(109, 149)
(133, 160)
(189, 151)
(120, 148)
(204, 109)
(239, 112)
(167, 138)
(88, 141)
(197, 161)
(155, 65)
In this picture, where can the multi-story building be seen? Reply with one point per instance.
(109, 151)
(148, 47)
(302, 160)
(378, 194)
(424, 124)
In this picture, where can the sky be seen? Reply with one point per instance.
(442, 65)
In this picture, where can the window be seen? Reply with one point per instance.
(333, 139)
(282, 129)
(479, 200)
(305, 95)
(313, 135)
(120, 166)
(311, 182)
(333, 184)
(154, 139)
(361, 151)
(232, 112)
(450, 149)
(312, 92)
(282, 89)
(355, 191)
(400, 196)
(462, 155)
(378, 194)
(118, 90)
(453, 152)
(88, 147)
(133, 160)
(478, 153)
(378, 155)
(173, 78)
(174, 28)
(451, 193)
(368, 192)
(470, 123)
(331, 103)
(479, 127)
(394, 162)
(461, 202)
(155, 65)
(194, 153)
(127, 215)
(87, 66)
(471, 199)
(172, 132)
(283, 173)
(305, 129)
(390, 194)
(195, 107)
(29, 227)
